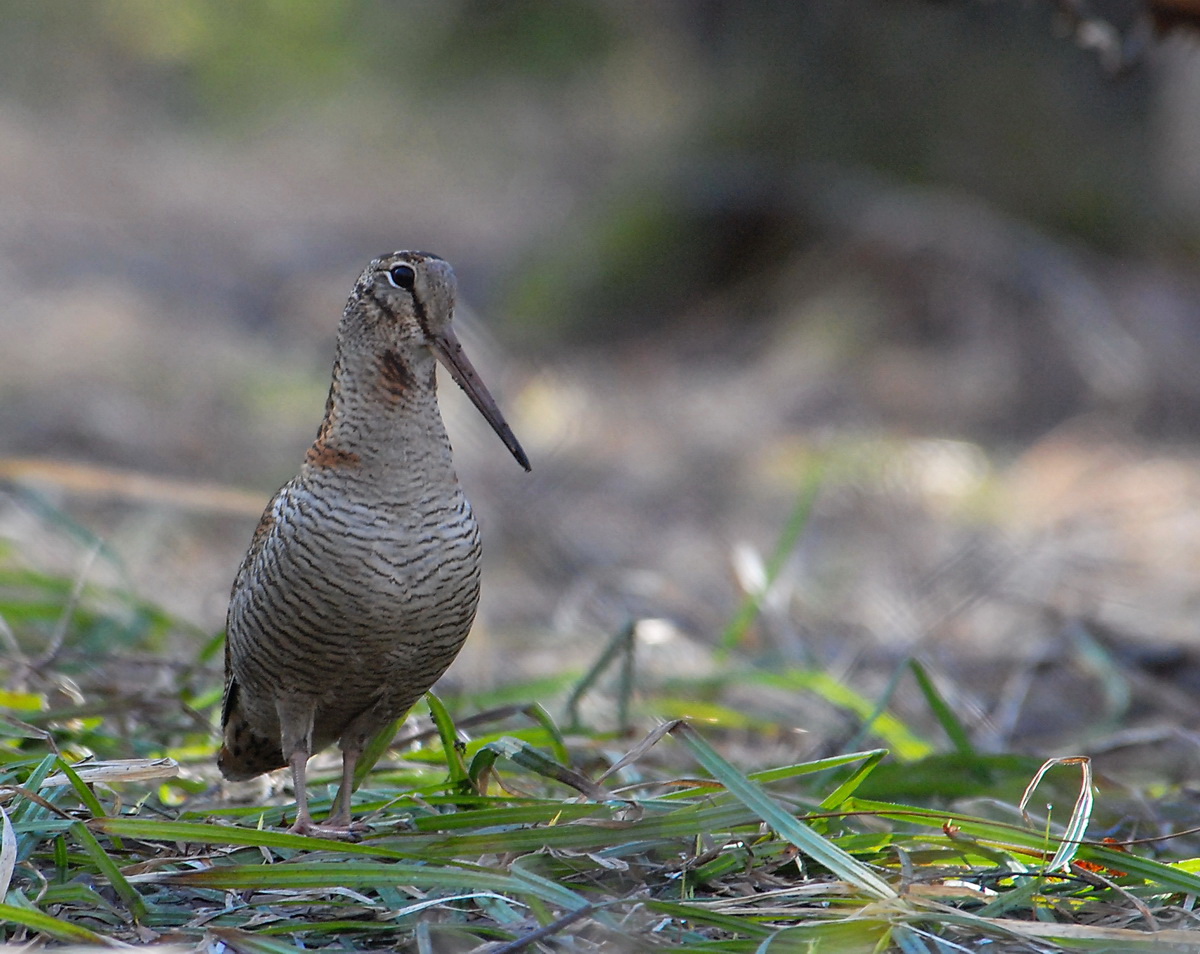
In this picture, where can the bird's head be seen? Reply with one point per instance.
(402, 310)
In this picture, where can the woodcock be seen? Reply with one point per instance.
(362, 578)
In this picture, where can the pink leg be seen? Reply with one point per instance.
(304, 823)
(340, 817)
(296, 714)
(338, 825)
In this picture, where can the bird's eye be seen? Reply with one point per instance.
(402, 276)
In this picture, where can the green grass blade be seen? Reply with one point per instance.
(200, 833)
(846, 936)
(459, 775)
(50, 926)
(948, 777)
(1166, 877)
(848, 787)
(621, 643)
(783, 822)
(955, 731)
(897, 736)
(380, 742)
(108, 868)
(680, 824)
(29, 814)
(312, 875)
(251, 942)
(86, 795)
(796, 770)
(480, 766)
(558, 744)
(702, 914)
(526, 756)
(747, 612)
(1032, 844)
(909, 942)
(543, 887)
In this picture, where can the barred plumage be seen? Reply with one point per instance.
(362, 579)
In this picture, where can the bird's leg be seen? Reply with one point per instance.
(296, 716)
(304, 823)
(338, 824)
(340, 817)
(353, 741)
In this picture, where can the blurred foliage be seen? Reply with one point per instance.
(664, 244)
(982, 97)
(213, 62)
(526, 39)
(671, 134)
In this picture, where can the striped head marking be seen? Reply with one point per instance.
(402, 310)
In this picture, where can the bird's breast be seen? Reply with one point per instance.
(356, 591)
(392, 556)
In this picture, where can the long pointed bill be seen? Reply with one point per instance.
(450, 353)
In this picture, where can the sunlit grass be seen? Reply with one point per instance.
(512, 821)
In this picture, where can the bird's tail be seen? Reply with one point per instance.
(244, 752)
(254, 757)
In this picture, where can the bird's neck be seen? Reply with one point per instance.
(382, 424)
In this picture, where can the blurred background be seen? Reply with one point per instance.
(928, 267)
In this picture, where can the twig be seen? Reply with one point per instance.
(545, 931)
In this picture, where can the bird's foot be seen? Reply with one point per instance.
(331, 828)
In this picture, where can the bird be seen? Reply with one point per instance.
(362, 578)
